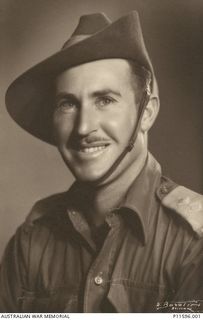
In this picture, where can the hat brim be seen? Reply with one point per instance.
(29, 99)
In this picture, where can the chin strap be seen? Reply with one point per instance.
(143, 103)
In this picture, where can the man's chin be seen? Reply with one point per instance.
(93, 177)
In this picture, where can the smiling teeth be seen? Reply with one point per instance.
(92, 149)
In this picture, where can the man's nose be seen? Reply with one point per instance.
(87, 120)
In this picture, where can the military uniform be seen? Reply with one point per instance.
(144, 257)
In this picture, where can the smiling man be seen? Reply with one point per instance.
(124, 238)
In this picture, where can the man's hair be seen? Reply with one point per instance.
(141, 79)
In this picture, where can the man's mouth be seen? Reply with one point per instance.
(92, 149)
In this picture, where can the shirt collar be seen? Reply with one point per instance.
(141, 197)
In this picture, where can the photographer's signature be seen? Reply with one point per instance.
(180, 306)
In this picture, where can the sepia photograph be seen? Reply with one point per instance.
(101, 156)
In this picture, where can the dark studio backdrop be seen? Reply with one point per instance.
(31, 30)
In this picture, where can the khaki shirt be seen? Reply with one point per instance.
(149, 259)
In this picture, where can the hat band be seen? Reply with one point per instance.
(75, 39)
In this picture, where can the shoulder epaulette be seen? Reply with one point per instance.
(185, 202)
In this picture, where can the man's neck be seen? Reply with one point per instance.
(99, 200)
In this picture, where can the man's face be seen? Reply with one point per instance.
(95, 116)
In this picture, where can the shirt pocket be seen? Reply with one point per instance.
(127, 296)
(53, 301)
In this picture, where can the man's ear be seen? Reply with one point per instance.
(150, 114)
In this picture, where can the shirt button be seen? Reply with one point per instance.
(98, 280)
(164, 189)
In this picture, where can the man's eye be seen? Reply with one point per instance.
(104, 101)
(66, 106)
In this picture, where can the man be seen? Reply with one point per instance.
(124, 238)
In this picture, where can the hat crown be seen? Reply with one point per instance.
(91, 23)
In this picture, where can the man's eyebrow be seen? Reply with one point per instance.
(65, 95)
(100, 93)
